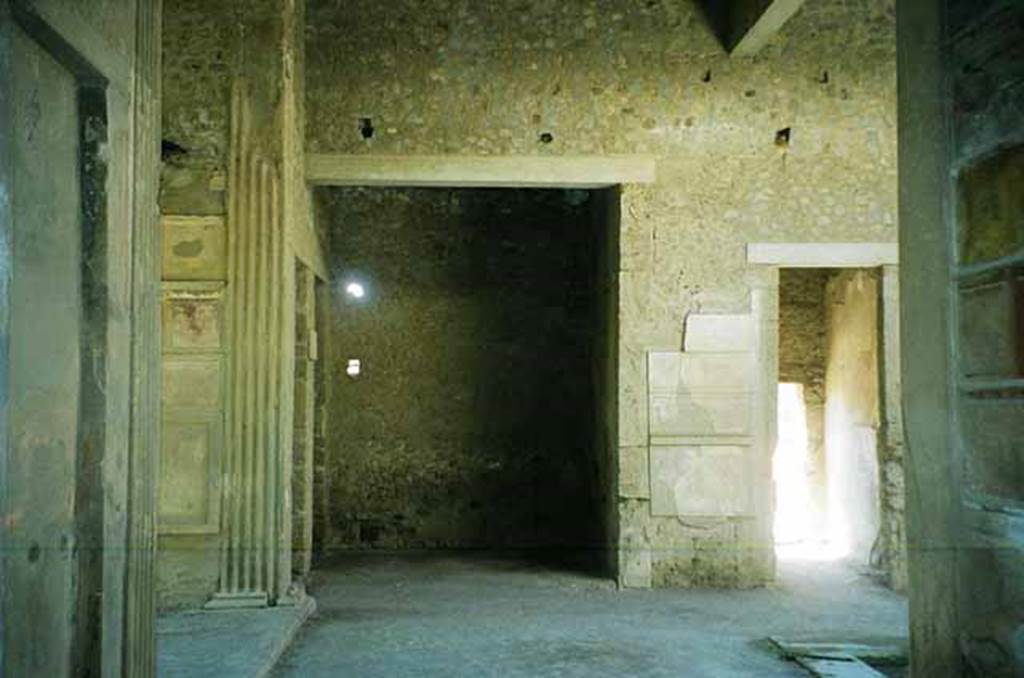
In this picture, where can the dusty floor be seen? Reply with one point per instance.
(400, 615)
(226, 643)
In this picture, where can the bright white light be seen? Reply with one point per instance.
(795, 535)
(354, 368)
(355, 290)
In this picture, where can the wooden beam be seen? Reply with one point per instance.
(479, 171)
(752, 23)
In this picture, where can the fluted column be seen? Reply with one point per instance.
(138, 652)
(250, 517)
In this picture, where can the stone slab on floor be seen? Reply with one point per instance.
(227, 643)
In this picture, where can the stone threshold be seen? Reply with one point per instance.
(227, 643)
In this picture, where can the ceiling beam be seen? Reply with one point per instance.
(752, 23)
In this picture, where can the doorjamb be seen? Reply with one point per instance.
(770, 257)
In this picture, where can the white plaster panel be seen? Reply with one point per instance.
(701, 414)
(194, 248)
(700, 394)
(192, 382)
(188, 476)
(192, 323)
(674, 372)
(702, 480)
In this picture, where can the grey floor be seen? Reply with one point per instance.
(225, 643)
(400, 615)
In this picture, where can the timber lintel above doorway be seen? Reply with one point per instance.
(824, 254)
(479, 171)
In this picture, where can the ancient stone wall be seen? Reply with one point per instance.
(796, 145)
(200, 44)
(200, 41)
(233, 152)
(472, 421)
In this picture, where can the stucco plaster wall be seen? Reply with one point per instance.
(200, 46)
(94, 517)
(252, 48)
(599, 78)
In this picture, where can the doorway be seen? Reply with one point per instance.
(837, 462)
(467, 350)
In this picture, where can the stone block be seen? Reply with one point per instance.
(635, 568)
(632, 424)
(634, 479)
(637, 232)
(702, 480)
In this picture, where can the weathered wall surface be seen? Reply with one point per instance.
(194, 348)
(803, 344)
(76, 173)
(207, 46)
(307, 355)
(962, 72)
(851, 411)
(986, 70)
(200, 45)
(472, 422)
(600, 78)
(890, 550)
(46, 308)
(233, 150)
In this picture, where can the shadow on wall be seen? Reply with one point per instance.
(716, 15)
(469, 420)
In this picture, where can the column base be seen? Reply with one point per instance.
(235, 601)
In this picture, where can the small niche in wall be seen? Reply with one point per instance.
(366, 129)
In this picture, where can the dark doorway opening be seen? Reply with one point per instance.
(469, 343)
